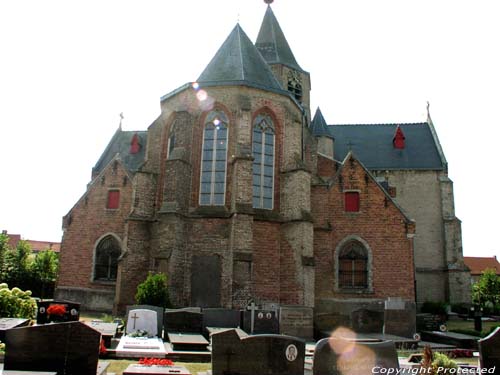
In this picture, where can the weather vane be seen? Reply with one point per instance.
(121, 118)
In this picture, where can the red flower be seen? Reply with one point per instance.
(155, 362)
(56, 310)
(102, 348)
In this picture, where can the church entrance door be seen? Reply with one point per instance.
(205, 281)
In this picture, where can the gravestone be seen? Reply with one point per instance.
(205, 280)
(9, 323)
(430, 322)
(70, 311)
(221, 318)
(367, 321)
(489, 351)
(256, 321)
(107, 330)
(183, 321)
(65, 348)
(139, 347)
(399, 317)
(296, 321)
(159, 315)
(336, 356)
(142, 320)
(159, 370)
(187, 342)
(234, 352)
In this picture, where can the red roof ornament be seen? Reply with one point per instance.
(399, 139)
(135, 146)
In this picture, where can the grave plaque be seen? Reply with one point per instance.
(399, 318)
(264, 321)
(367, 321)
(65, 348)
(159, 370)
(336, 356)
(489, 351)
(296, 321)
(183, 321)
(142, 320)
(430, 322)
(221, 318)
(57, 311)
(237, 353)
(187, 342)
(9, 323)
(159, 315)
(138, 347)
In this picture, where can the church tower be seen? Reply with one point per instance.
(273, 46)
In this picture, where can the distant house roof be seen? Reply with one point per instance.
(477, 264)
(36, 246)
(121, 144)
(373, 145)
(239, 62)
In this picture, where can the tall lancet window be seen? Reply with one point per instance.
(214, 160)
(263, 163)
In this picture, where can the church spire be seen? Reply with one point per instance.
(272, 43)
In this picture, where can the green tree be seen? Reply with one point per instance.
(486, 292)
(44, 269)
(4, 248)
(153, 291)
(18, 265)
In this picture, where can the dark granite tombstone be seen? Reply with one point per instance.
(183, 322)
(296, 321)
(336, 356)
(367, 321)
(221, 318)
(430, 322)
(399, 318)
(9, 323)
(63, 311)
(159, 315)
(489, 351)
(239, 354)
(67, 348)
(265, 322)
(107, 331)
(205, 281)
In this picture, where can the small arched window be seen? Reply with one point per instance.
(353, 266)
(214, 159)
(295, 84)
(106, 259)
(263, 163)
(170, 145)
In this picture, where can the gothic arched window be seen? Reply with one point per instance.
(214, 160)
(353, 266)
(263, 163)
(106, 259)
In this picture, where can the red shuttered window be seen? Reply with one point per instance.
(113, 199)
(351, 201)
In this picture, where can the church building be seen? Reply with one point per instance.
(240, 195)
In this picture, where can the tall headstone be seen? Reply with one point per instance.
(367, 321)
(57, 311)
(205, 281)
(337, 356)
(489, 351)
(264, 321)
(65, 348)
(182, 321)
(159, 315)
(296, 321)
(221, 318)
(142, 320)
(234, 352)
(400, 317)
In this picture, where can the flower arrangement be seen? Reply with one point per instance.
(155, 362)
(57, 310)
(139, 333)
(102, 348)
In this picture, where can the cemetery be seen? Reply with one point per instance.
(257, 340)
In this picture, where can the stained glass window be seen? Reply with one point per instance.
(263, 163)
(106, 259)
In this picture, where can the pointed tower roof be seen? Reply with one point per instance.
(318, 127)
(238, 62)
(272, 43)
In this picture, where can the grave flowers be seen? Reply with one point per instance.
(56, 310)
(155, 362)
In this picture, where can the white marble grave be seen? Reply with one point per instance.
(142, 320)
(137, 347)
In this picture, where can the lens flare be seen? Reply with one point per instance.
(202, 95)
(216, 122)
(195, 85)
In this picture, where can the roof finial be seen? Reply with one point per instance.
(268, 2)
(121, 118)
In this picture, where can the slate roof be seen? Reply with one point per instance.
(238, 62)
(372, 145)
(120, 144)
(477, 264)
(318, 126)
(272, 44)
